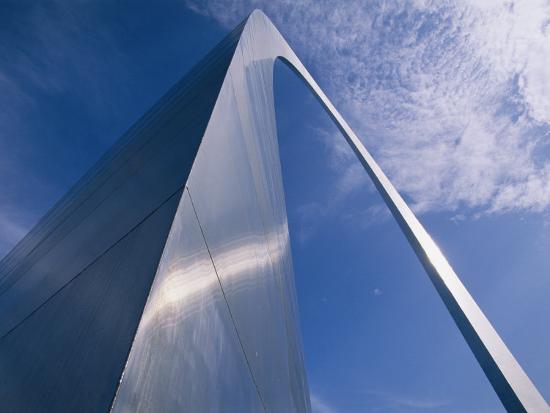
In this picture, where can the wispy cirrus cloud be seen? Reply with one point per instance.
(347, 179)
(318, 405)
(452, 97)
(379, 400)
(50, 53)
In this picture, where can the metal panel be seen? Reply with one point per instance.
(251, 248)
(186, 356)
(236, 187)
(68, 355)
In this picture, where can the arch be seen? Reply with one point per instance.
(163, 280)
(510, 382)
(244, 110)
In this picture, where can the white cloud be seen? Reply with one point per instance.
(424, 404)
(350, 175)
(320, 406)
(386, 400)
(453, 98)
(515, 36)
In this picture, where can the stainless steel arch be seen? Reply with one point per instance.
(163, 280)
(512, 385)
(246, 94)
(250, 71)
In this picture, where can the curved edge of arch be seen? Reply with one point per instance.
(512, 385)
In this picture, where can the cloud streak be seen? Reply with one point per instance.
(452, 98)
(318, 405)
(49, 52)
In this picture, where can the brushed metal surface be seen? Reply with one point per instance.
(236, 190)
(186, 355)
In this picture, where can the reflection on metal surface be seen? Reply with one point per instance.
(219, 331)
(186, 355)
(236, 191)
(68, 354)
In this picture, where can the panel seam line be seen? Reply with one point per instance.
(55, 293)
(227, 302)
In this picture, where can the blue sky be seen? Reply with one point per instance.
(453, 100)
